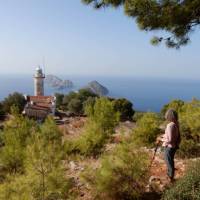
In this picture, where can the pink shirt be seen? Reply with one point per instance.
(171, 135)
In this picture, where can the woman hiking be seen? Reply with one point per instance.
(171, 141)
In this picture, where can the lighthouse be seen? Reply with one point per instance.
(39, 82)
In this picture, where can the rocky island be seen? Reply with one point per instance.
(97, 88)
(58, 83)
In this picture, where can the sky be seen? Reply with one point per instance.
(71, 38)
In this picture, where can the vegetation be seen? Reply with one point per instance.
(122, 175)
(31, 161)
(15, 138)
(174, 104)
(102, 119)
(147, 129)
(190, 126)
(16, 99)
(74, 102)
(2, 112)
(125, 108)
(178, 17)
(138, 115)
(59, 100)
(32, 155)
(188, 187)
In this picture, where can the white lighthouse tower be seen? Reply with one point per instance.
(39, 82)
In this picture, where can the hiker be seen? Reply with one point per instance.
(171, 141)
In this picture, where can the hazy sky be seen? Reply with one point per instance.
(76, 39)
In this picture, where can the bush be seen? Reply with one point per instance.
(50, 132)
(15, 99)
(122, 174)
(2, 112)
(44, 176)
(59, 100)
(189, 128)
(74, 102)
(188, 148)
(75, 106)
(34, 157)
(137, 116)
(102, 119)
(189, 119)
(147, 129)
(67, 98)
(175, 104)
(125, 108)
(15, 137)
(188, 187)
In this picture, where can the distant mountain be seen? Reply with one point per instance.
(57, 83)
(97, 88)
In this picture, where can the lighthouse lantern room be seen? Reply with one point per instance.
(39, 82)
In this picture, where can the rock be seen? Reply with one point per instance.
(72, 165)
(97, 88)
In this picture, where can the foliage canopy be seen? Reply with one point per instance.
(16, 99)
(179, 17)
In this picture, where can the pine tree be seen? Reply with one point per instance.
(178, 17)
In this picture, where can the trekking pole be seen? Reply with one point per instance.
(154, 155)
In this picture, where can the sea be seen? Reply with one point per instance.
(146, 94)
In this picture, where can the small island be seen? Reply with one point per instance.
(57, 83)
(97, 88)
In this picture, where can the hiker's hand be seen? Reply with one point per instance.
(158, 139)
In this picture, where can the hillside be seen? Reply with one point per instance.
(72, 128)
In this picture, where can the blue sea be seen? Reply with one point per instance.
(146, 94)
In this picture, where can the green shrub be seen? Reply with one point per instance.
(44, 176)
(188, 187)
(189, 120)
(74, 102)
(174, 104)
(15, 137)
(34, 156)
(121, 175)
(59, 100)
(125, 108)
(102, 119)
(2, 112)
(189, 128)
(50, 132)
(92, 141)
(137, 116)
(103, 114)
(147, 129)
(188, 148)
(75, 106)
(15, 99)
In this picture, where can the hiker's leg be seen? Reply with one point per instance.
(169, 161)
(173, 151)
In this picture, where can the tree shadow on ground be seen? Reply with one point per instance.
(151, 196)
